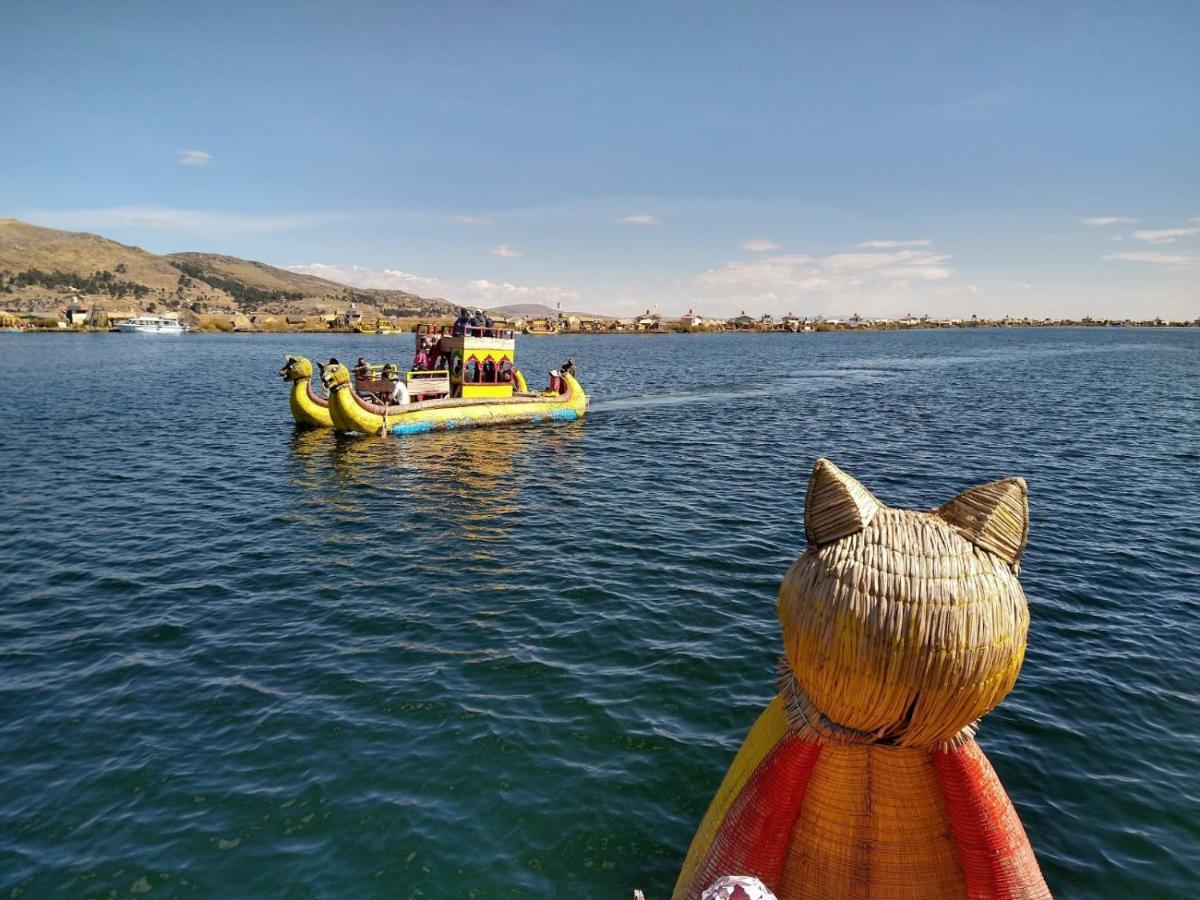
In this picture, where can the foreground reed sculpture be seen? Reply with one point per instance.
(862, 778)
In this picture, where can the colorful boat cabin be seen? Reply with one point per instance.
(479, 363)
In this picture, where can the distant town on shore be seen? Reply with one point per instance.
(55, 281)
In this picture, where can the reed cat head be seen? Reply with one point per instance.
(904, 627)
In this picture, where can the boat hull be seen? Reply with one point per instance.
(351, 414)
(308, 409)
(152, 329)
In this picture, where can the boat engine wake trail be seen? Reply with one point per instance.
(796, 384)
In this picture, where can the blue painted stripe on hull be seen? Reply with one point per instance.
(558, 415)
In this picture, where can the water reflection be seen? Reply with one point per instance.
(469, 481)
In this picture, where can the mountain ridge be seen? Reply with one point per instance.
(42, 269)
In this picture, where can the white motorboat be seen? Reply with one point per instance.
(153, 325)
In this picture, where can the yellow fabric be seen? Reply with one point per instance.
(874, 824)
(766, 732)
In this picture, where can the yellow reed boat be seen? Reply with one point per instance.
(462, 377)
(309, 409)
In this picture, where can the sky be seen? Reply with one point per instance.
(950, 159)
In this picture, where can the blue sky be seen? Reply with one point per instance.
(950, 158)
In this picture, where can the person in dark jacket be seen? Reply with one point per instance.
(461, 323)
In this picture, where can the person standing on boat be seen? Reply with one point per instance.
(461, 323)
(568, 368)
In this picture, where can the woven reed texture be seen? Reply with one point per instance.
(873, 825)
(862, 779)
(994, 851)
(753, 838)
(906, 629)
(770, 728)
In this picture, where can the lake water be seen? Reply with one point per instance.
(238, 659)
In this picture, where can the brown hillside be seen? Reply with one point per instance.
(44, 269)
(24, 246)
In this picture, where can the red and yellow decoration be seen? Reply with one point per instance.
(862, 778)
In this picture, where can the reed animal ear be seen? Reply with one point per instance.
(836, 505)
(321, 366)
(993, 517)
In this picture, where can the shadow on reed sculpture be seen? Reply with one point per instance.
(863, 778)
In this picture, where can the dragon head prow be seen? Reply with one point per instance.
(296, 368)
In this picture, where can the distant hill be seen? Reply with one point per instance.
(43, 269)
(539, 311)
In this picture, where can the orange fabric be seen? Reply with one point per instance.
(995, 854)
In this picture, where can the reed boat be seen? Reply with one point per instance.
(473, 382)
(309, 409)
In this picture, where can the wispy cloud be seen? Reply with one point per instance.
(759, 245)
(195, 157)
(1171, 260)
(1164, 235)
(640, 219)
(383, 279)
(491, 293)
(888, 245)
(464, 219)
(848, 273)
(1102, 221)
(477, 292)
(506, 251)
(182, 221)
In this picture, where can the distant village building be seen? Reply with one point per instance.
(76, 315)
(743, 322)
(351, 317)
(690, 320)
(648, 321)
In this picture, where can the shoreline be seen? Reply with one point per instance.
(860, 329)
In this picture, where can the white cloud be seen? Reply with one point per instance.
(640, 219)
(888, 245)
(1025, 285)
(478, 292)
(1172, 260)
(383, 279)
(759, 245)
(840, 273)
(1164, 235)
(195, 157)
(463, 219)
(1101, 221)
(506, 251)
(183, 221)
(489, 293)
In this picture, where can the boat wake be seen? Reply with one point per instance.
(791, 385)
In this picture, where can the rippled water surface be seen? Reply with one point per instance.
(238, 659)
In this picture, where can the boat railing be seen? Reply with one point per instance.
(428, 383)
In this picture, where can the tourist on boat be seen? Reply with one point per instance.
(568, 368)
(362, 369)
(556, 381)
(489, 371)
(420, 362)
(477, 323)
(489, 325)
(461, 323)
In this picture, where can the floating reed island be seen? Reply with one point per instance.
(862, 778)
